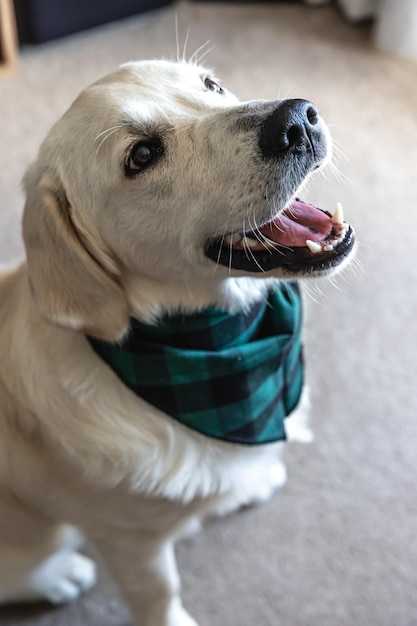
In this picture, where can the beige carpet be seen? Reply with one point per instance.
(338, 546)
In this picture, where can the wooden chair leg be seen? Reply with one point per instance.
(8, 37)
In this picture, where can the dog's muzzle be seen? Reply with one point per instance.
(300, 238)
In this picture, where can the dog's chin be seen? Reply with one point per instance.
(300, 240)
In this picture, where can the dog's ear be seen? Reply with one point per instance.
(71, 288)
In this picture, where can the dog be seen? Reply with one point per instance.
(157, 196)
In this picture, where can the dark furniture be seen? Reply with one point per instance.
(42, 20)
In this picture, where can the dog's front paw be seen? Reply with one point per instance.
(178, 616)
(298, 430)
(63, 577)
(275, 478)
(253, 490)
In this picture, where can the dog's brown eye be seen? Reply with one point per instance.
(142, 155)
(213, 86)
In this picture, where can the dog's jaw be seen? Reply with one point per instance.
(301, 240)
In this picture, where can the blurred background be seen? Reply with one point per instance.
(338, 545)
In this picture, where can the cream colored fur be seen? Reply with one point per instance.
(76, 446)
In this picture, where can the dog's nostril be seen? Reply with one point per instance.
(312, 115)
(295, 136)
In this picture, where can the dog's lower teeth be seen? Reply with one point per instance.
(313, 246)
(251, 243)
(231, 239)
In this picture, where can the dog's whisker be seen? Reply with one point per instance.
(256, 232)
(109, 133)
(277, 247)
(356, 267)
(248, 252)
(274, 212)
(269, 243)
(263, 238)
(280, 95)
(332, 280)
(205, 53)
(277, 218)
(339, 149)
(108, 129)
(184, 50)
(337, 173)
(195, 54)
(230, 259)
(227, 231)
(221, 245)
(251, 255)
(291, 211)
(177, 38)
(315, 292)
(102, 142)
(217, 263)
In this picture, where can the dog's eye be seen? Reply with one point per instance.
(142, 155)
(212, 85)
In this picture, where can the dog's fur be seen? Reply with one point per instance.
(76, 446)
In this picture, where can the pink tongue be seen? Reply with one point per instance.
(298, 222)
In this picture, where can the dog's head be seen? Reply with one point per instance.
(158, 190)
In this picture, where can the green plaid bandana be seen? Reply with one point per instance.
(232, 377)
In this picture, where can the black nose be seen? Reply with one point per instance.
(293, 126)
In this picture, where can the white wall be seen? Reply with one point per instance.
(396, 23)
(359, 9)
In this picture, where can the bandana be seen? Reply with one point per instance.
(231, 377)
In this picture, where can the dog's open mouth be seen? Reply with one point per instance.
(301, 239)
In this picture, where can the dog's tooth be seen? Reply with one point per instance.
(337, 217)
(313, 246)
(328, 248)
(231, 239)
(251, 243)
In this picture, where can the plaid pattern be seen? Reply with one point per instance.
(232, 377)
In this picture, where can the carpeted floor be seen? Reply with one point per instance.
(338, 546)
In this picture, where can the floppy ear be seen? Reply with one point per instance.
(69, 285)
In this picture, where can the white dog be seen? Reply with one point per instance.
(158, 200)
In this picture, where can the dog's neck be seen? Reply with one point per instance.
(230, 377)
(150, 299)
